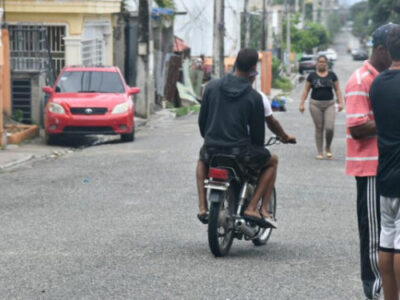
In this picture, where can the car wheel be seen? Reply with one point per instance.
(50, 139)
(129, 137)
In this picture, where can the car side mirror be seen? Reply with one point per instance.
(133, 91)
(47, 90)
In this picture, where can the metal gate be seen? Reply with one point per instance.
(21, 98)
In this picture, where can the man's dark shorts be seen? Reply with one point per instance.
(254, 157)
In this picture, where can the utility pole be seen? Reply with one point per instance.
(269, 29)
(264, 17)
(1, 84)
(296, 6)
(144, 80)
(303, 14)
(246, 21)
(287, 37)
(218, 39)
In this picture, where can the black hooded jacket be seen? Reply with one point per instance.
(231, 114)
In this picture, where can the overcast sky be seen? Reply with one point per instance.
(349, 2)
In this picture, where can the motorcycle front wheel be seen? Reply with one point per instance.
(266, 232)
(221, 222)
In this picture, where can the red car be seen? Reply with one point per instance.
(90, 100)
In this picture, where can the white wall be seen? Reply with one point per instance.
(196, 28)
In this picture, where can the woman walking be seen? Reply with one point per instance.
(322, 104)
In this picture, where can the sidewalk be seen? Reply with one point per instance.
(13, 156)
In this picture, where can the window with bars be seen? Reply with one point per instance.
(30, 45)
(93, 52)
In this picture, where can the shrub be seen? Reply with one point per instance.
(18, 115)
(282, 83)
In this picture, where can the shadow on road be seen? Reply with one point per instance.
(80, 142)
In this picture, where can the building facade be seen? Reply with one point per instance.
(48, 34)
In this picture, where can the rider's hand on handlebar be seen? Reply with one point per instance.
(288, 139)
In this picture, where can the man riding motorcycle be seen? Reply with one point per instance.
(231, 121)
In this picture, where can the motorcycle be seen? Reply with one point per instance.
(230, 187)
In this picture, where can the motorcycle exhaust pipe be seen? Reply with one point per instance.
(247, 230)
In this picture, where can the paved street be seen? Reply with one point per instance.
(117, 221)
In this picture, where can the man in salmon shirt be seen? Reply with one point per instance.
(362, 157)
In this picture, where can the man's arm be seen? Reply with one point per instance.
(362, 131)
(358, 111)
(276, 128)
(203, 113)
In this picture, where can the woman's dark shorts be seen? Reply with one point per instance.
(253, 157)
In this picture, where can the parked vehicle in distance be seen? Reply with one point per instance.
(359, 54)
(90, 100)
(307, 63)
(329, 53)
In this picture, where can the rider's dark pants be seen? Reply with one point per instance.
(251, 156)
(368, 213)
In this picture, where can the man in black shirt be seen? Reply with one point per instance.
(232, 119)
(385, 100)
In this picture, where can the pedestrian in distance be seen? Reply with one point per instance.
(385, 100)
(362, 157)
(322, 82)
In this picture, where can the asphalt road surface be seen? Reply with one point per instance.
(117, 221)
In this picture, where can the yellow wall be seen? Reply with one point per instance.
(72, 13)
(54, 6)
(74, 22)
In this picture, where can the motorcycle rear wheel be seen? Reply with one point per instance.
(220, 222)
(262, 240)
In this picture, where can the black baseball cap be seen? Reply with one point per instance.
(379, 36)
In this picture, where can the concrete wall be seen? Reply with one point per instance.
(119, 42)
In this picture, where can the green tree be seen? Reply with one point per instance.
(166, 3)
(384, 11)
(304, 40)
(360, 14)
(281, 2)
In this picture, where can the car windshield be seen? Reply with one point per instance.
(89, 82)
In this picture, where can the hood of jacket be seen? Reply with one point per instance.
(234, 87)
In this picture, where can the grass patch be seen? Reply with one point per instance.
(184, 110)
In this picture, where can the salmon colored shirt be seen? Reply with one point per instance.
(361, 154)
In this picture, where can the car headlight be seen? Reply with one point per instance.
(120, 108)
(56, 108)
